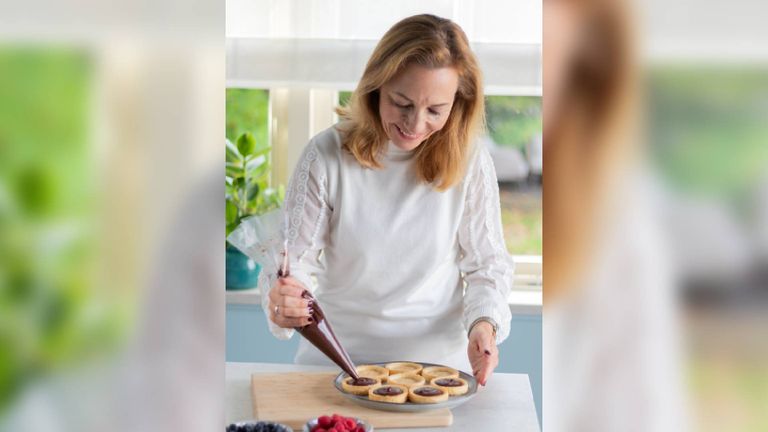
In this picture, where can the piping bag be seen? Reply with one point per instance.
(319, 332)
(260, 238)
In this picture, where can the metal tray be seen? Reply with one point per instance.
(452, 401)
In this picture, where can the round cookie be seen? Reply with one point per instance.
(359, 387)
(453, 386)
(388, 393)
(427, 394)
(407, 379)
(373, 371)
(403, 367)
(432, 372)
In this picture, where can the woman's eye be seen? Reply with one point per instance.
(433, 112)
(402, 106)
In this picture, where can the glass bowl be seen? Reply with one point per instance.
(258, 426)
(360, 422)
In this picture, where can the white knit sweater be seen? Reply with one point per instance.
(388, 257)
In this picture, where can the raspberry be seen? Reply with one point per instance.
(350, 423)
(318, 428)
(333, 429)
(359, 429)
(324, 421)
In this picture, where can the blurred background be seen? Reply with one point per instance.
(708, 138)
(110, 120)
(671, 307)
(290, 63)
(707, 101)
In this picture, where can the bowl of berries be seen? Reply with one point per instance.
(337, 423)
(258, 426)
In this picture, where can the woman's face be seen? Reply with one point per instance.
(416, 103)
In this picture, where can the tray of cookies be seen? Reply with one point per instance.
(407, 386)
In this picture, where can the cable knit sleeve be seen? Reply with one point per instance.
(485, 263)
(308, 213)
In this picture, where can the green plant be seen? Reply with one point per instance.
(55, 316)
(513, 120)
(248, 192)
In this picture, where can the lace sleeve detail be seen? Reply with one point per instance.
(306, 204)
(486, 265)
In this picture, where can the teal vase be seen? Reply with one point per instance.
(242, 272)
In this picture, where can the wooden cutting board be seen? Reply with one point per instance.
(293, 398)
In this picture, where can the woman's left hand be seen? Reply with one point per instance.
(482, 351)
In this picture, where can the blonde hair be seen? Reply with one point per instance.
(432, 42)
(588, 142)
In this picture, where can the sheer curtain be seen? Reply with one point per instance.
(325, 43)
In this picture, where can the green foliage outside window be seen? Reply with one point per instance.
(247, 111)
(709, 129)
(513, 120)
(51, 317)
(344, 97)
(248, 157)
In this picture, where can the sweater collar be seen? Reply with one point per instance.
(396, 153)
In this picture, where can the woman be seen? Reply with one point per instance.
(394, 210)
(611, 354)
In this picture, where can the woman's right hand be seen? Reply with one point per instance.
(287, 308)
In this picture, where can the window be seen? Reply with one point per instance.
(247, 111)
(514, 141)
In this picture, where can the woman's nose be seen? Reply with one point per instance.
(414, 122)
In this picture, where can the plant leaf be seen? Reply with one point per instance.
(231, 211)
(233, 155)
(239, 183)
(256, 162)
(259, 172)
(253, 191)
(246, 144)
(233, 172)
(231, 227)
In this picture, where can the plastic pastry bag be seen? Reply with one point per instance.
(261, 238)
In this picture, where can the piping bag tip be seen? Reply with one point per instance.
(321, 335)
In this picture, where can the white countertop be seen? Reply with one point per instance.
(505, 404)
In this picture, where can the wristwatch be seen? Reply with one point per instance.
(489, 320)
